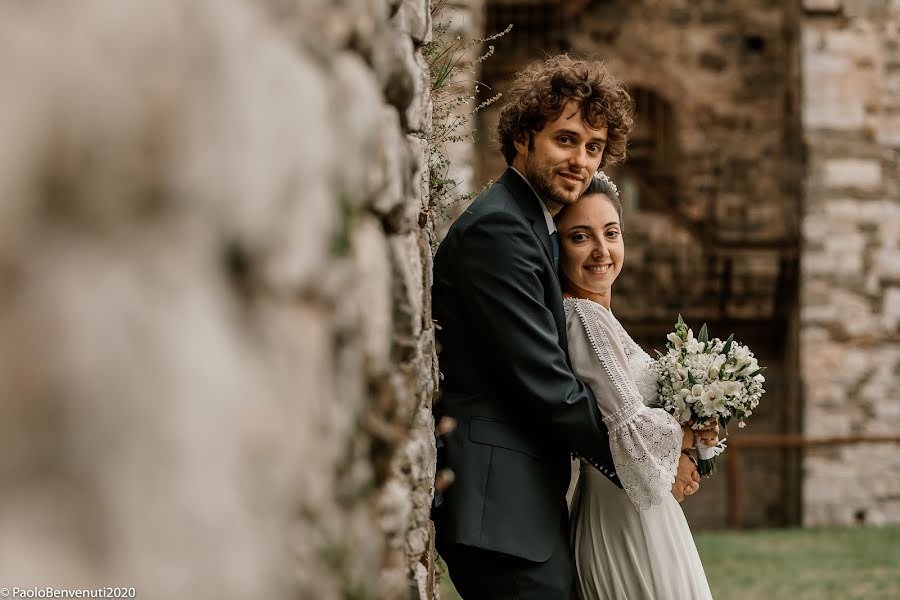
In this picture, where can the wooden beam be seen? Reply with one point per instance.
(776, 441)
(802, 441)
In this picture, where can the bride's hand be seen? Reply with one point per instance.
(687, 438)
(709, 436)
(687, 480)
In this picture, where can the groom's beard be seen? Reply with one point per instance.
(543, 180)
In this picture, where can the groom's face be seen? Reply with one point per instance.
(560, 159)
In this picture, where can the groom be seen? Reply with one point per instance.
(502, 526)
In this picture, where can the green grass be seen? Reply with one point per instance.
(803, 564)
(796, 564)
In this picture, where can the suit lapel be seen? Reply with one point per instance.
(531, 207)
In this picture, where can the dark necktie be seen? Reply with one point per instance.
(554, 250)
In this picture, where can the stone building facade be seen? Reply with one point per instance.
(850, 284)
(217, 356)
(760, 197)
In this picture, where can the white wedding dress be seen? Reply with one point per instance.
(632, 543)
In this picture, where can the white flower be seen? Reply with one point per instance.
(731, 388)
(740, 352)
(751, 365)
(713, 399)
(682, 408)
(676, 341)
(713, 372)
(694, 347)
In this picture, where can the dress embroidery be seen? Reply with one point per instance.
(645, 442)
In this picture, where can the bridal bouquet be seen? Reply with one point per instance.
(701, 379)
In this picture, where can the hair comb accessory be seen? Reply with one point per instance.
(605, 178)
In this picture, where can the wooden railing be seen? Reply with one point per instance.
(778, 442)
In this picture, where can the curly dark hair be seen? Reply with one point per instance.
(541, 90)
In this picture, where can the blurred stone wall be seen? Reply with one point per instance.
(216, 351)
(850, 290)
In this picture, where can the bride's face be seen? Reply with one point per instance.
(592, 247)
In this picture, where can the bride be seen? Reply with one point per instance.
(633, 542)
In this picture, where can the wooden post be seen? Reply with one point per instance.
(734, 488)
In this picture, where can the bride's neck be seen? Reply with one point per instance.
(570, 290)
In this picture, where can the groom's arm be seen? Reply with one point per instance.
(502, 270)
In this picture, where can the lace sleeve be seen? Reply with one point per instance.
(645, 442)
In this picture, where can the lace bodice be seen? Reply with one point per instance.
(645, 442)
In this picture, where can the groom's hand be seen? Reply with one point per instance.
(687, 480)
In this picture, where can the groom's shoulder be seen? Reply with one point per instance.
(497, 202)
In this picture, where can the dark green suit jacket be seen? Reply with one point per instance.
(506, 379)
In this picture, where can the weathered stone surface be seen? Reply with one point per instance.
(198, 295)
(853, 172)
(891, 309)
(414, 17)
(850, 306)
(888, 131)
(822, 5)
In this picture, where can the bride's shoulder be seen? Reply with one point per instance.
(596, 317)
(590, 314)
(588, 308)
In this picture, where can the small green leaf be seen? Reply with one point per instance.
(757, 372)
(704, 334)
(680, 321)
(728, 344)
(691, 378)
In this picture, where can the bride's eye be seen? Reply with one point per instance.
(579, 237)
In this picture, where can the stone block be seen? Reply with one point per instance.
(358, 113)
(414, 18)
(835, 91)
(815, 229)
(887, 263)
(858, 173)
(856, 315)
(888, 131)
(832, 264)
(372, 287)
(829, 6)
(390, 165)
(891, 310)
(825, 313)
(395, 65)
(860, 211)
(418, 113)
(408, 289)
